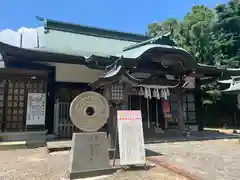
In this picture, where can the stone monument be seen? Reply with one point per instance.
(89, 155)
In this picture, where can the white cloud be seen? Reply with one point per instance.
(24, 29)
(29, 37)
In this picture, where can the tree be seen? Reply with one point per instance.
(196, 33)
(213, 37)
(227, 33)
(192, 33)
(158, 29)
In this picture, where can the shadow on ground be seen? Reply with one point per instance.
(194, 136)
(150, 153)
(151, 138)
(137, 168)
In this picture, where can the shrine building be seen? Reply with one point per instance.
(62, 60)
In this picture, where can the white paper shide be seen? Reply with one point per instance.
(36, 106)
(131, 142)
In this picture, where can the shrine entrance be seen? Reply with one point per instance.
(152, 112)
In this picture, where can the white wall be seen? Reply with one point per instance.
(75, 73)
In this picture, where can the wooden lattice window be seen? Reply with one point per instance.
(174, 103)
(2, 93)
(15, 105)
(189, 108)
(13, 96)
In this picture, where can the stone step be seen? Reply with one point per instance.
(13, 145)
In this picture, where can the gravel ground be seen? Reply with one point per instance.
(37, 164)
(31, 164)
(210, 160)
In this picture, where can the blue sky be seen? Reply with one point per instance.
(122, 15)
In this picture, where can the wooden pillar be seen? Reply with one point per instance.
(198, 105)
(112, 130)
(112, 120)
(181, 121)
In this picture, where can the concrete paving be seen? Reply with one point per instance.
(38, 164)
(188, 155)
(209, 160)
(61, 145)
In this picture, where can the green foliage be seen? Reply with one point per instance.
(161, 28)
(211, 35)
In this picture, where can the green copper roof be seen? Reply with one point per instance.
(87, 45)
(98, 48)
(39, 54)
(213, 70)
(163, 40)
(92, 31)
(68, 37)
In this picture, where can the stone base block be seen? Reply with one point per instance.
(93, 173)
(89, 155)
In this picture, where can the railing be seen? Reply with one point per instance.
(63, 127)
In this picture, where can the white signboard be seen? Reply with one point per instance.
(36, 106)
(131, 142)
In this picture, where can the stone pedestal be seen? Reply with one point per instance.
(89, 155)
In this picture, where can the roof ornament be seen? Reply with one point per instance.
(44, 22)
(114, 65)
(164, 39)
(40, 18)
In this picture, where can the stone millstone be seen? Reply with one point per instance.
(89, 111)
